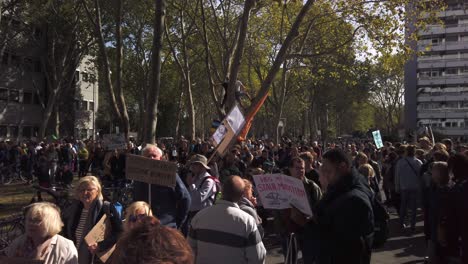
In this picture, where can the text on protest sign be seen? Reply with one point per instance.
(231, 125)
(151, 171)
(377, 139)
(278, 191)
(114, 141)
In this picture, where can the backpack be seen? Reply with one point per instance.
(381, 217)
(217, 194)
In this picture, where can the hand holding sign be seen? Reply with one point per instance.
(279, 191)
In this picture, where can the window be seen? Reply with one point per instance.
(84, 105)
(91, 106)
(85, 77)
(5, 58)
(27, 98)
(451, 39)
(451, 71)
(14, 131)
(36, 98)
(37, 66)
(15, 60)
(453, 105)
(77, 76)
(28, 64)
(27, 131)
(435, 42)
(14, 96)
(3, 94)
(3, 131)
(36, 131)
(83, 133)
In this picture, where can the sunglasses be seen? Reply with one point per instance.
(135, 218)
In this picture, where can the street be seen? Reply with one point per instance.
(401, 247)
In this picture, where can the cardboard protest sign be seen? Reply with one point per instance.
(8, 260)
(151, 171)
(278, 191)
(377, 139)
(114, 141)
(228, 129)
(98, 234)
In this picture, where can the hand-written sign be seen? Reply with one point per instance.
(98, 234)
(377, 139)
(278, 191)
(114, 141)
(151, 171)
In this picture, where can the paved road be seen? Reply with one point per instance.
(401, 248)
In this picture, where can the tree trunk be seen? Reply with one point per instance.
(220, 110)
(124, 122)
(188, 80)
(231, 93)
(153, 91)
(293, 33)
(179, 111)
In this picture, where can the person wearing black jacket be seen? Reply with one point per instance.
(343, 221)
(84, 213)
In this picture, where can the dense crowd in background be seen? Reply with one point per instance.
(216, 208)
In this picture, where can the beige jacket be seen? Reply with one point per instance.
(60, 251)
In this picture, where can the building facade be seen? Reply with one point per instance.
(436, 81)
(23, 94)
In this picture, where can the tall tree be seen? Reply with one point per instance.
(154, 88)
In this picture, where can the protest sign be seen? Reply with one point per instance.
(151, 171)
(377, 139)
(114, 141)
(278, 191)
(228, 130)
(97, 234)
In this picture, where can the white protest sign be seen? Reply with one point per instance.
(114, 141)
(278, 191)
(151, 171)
(377, 139)
(231, 125)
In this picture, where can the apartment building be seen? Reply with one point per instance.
(436, 81)
(23, 94)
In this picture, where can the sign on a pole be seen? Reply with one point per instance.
(228, 129)
(377, 139)
(278, 191)
(151, 171)
(114, 141)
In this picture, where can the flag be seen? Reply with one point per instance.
(243, 134)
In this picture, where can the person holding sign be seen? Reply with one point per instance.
(169, 205)
(343, 221)
(296, 169)
(42, 241)
(85, 212)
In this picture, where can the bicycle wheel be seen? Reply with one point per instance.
(10, 229)
(6, 179)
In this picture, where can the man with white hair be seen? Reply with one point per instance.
(169, 205)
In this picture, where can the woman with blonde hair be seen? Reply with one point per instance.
(84, 213)
(367, 171)
(42, 240)
(135, 213)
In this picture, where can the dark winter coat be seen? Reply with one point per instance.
(344, 222)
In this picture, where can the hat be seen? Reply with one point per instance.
(201, 160)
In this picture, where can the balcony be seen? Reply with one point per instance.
(441, 30)
(442, 113)
(452, 131)
(443, 80)
(442, 98)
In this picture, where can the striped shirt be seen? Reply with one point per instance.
(224, 233)
(80, 227)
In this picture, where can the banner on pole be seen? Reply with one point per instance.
(278, 191)
(114, 141)
(151, 171)
(377, 139)
(229, 128)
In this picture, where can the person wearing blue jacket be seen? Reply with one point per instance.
(169, 205)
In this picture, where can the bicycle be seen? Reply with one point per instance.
(10, 174)
(60, 195)
(10, 228)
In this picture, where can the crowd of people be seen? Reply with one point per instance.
(214, 214)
